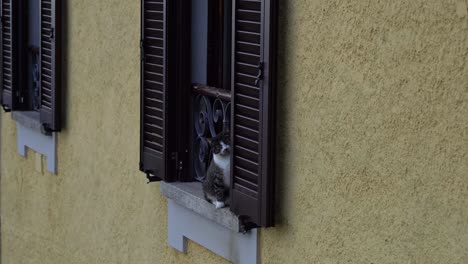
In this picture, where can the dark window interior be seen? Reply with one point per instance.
(29, 40)
(215, 50)
(211, 41)
(211, 77)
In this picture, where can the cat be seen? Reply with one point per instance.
(218, 176)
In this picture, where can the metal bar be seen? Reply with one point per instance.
(213, 92)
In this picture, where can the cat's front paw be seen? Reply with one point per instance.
(219, 204)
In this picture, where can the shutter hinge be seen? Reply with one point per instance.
(260, 73)
(6, 109)
(151, 177)
(20, 97)
(51, 33)
(46, 130)
(149, 174)
(142, 50)
(179, 162)
(245, 225)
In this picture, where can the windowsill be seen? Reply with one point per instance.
(29, 119)
(30, 135)
(190, 196)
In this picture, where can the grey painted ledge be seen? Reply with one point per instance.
(30, 136)
(28, 119)
(190, 216)
(190, 195)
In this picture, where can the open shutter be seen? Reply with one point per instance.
(253, 75)
(8, 54)
(157, 113)
(50, 110)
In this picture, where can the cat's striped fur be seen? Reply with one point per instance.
(218, 176)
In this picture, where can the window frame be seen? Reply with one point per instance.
(253, 211)
(14, 87)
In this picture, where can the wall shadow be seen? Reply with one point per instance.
(65, 63)
(282, 180)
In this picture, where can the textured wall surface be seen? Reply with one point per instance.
(373, 136)
(373, 133)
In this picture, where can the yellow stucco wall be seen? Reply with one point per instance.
(373, 136)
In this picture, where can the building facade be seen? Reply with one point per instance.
(372, 142)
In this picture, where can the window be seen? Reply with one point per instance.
(30, 59)
(222, 53)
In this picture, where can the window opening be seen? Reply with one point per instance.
(30, 54)
(211, 75)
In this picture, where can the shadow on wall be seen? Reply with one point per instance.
(282, 179)
(65, 65)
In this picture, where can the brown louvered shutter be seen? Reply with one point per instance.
(9, 55)
(50, 110)
(253, 66)
(157, 112)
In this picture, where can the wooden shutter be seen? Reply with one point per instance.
(50, 111)
(157, 112)
(8, 54)
(253, 75)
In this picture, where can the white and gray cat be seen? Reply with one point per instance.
(218, 176)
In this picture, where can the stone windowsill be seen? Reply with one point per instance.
(190, 195)
(30, 135)
(29, 119)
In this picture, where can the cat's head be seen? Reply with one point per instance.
(221, 144)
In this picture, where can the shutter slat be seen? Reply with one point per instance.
(247, 179)
(253, 67)
(50, 63)
(8, 55)
(154, 71)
